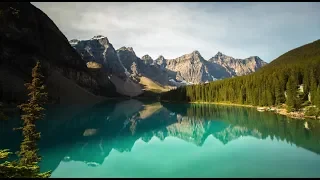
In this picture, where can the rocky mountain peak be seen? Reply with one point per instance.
(98, 37)
(126, 49)
(256, 58)
(220, 55)
(160, 58)
(146, 57)
(130, 49)
(194, 56)
(196, 53)
(101, 39)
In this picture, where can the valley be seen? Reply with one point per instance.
(91, 99)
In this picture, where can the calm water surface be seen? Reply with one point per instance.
(145, 139)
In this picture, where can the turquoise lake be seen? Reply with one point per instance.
(135, 138)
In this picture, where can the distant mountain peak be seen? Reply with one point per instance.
(124, 48)
(196, 52)
(254, 57)
(146, 57)
(98, 37)
(160, 57)
(219, 54)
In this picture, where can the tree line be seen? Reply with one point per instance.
(274, 84)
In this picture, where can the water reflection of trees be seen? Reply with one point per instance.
(267, 123)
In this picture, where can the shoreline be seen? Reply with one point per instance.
(224, 103)
(276, 110)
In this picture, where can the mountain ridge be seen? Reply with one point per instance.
(189, 68)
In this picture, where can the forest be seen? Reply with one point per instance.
(292, 79)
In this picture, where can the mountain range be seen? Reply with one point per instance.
(93, 69)
(190, 68)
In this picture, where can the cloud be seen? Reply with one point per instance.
(173, 29)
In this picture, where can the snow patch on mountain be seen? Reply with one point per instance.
(98, 37)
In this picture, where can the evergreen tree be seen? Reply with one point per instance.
(313, 86)
(306, 83)
(32, 111)
(317, 97)
(291, 94)
(28, 154)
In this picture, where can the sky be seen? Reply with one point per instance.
(171, 29)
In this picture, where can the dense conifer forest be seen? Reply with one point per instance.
(292, 79)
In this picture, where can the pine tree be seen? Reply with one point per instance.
(32, 111)
(317, 97)
(291, 100)
(313, 87)
(306, 83)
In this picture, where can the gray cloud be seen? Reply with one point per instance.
(173, 29)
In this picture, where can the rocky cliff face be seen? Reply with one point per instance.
(238, 67)
(122, 62)
(192, 68)
(98, 49)
(28, 35)
(147, 59)
(142, 67)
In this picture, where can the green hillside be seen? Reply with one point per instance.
(274, 84)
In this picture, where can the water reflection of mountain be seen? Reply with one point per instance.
(264, 124)
(103, 127)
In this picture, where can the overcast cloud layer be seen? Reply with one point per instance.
(240, 30)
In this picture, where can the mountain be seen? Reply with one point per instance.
(188, 69)
(138, 67)
(292, 78)
(147, 59)
(238, 67)
(138, 73)
(192, 68)
(27, 35)
(98, 49)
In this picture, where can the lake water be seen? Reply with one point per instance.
(146, 139)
